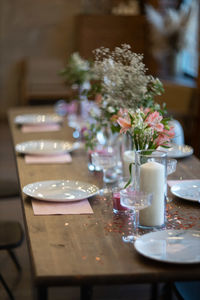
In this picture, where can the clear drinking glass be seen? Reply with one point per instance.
(106, 160)
(151, 177)
(135, 201)
(171, 168)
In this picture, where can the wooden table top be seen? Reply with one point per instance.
(88, 249)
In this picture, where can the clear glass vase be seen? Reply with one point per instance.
(128, 158)
(106, 138)
(151, 175)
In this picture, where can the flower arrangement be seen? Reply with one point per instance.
(122, 84)
(123, 79)
(78, 70)
(147, 128)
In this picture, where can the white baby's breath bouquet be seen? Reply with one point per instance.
(122, 84)
(77, 71)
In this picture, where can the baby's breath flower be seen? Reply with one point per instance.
(123, 77)
(78, 70)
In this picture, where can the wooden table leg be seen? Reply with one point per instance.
(42, 293)
(154, 291)
(86, 292)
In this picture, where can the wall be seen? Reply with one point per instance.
(39, 28)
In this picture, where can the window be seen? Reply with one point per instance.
(190, 54)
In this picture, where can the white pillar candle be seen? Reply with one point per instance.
(128, 157)
(152, 180)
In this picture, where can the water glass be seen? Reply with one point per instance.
(135, 201)
(106, 160)
(171, 168)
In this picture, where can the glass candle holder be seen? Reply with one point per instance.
(119, 185)
(171, 168)
(151, 175)
(117, 207)
(128, 158)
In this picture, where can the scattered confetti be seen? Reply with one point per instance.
(177, 217)
(98, 258)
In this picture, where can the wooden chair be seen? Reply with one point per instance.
(9, 189)
(40, 82)
(180, 98)
(11, 237)
(186, 290)
(94, 31)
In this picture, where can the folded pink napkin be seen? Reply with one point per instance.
(48, 159)
(173, 182)
(40, 128)
(61, 208)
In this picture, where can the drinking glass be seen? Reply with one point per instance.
(171, 168)
(135, 201)
(106, 160)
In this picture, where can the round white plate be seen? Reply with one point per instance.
(45, 147)
(60, 190)
(178, 151)
(38, 119)
(171, 246)
(187, 190)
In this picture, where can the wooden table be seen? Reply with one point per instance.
(86, 250)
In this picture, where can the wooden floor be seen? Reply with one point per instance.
(21, 284)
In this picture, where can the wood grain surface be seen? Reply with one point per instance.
(88, 249)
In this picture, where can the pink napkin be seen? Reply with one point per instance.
(40, 128)
(61, 208)
(46, 159)
(173, 182)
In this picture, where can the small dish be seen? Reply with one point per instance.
(60, 190)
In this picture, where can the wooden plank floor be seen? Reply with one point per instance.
(21, 285)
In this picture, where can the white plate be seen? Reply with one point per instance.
(178, 151)
(60, 190)
(38, 119)
(187, 190)
(171, 246)
(46, 147)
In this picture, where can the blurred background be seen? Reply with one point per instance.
(36, 40)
